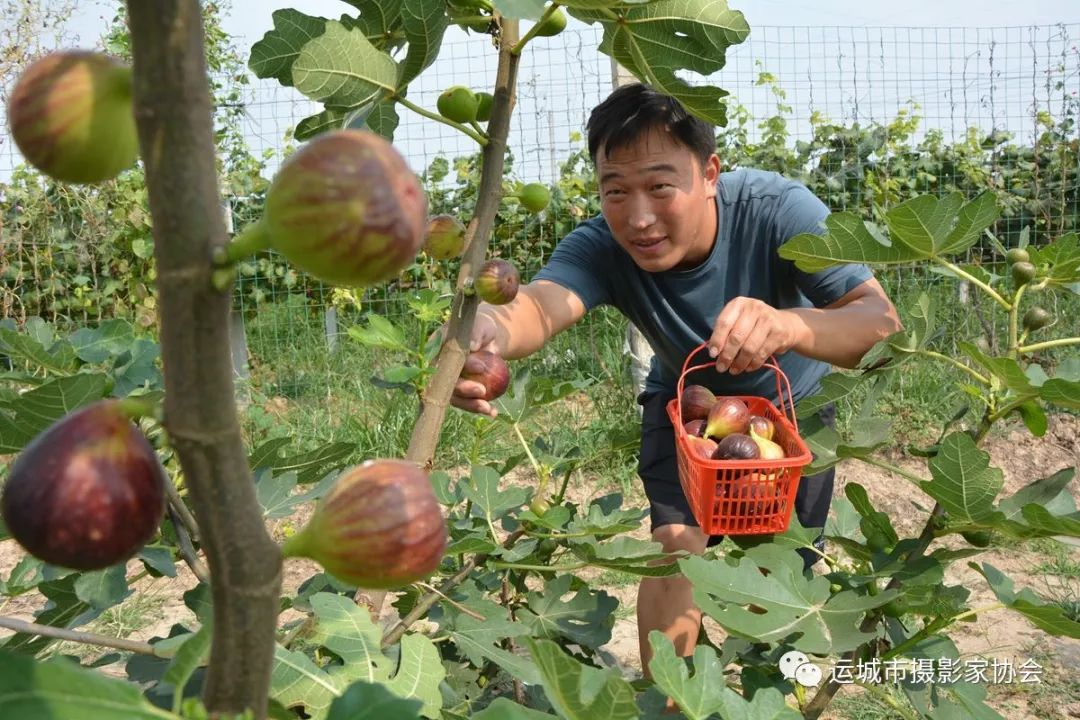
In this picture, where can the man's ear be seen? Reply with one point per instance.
(712, 174)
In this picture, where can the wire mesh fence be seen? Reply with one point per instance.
(865, 116)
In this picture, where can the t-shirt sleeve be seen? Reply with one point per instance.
(576, 265)
(800, 212)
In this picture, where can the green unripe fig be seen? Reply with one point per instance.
(458, 103)
(534, 197)
(484, 101)
(445, 237)
(877, 541)
(895, 608)
(344, 208)
(497, 282)
(1022, 273)
(553, 25)
(978, 538)
(1036, 318)
(539, 506)
(86, 493)
(1016, 255)
(379, 527)
(71, 116)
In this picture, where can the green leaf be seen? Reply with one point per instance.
(1005, 369)
(963, 481)
(1063, 255)
(276, 492)
(18, 345)
(308, 466)
(24, 576)
(624, 553)
(342, 69)
(484, 492)
(1043, 520)
(503, 709)
(1063, 393)
(846, 240)
(1049, 492)
(1045, 616)
(296, 681)
(64, 610)
(102, 589)
(792, 603)
(872, 518)
(1034, 418)
(606, 518)
(380, 333)
(58, 688)
(274, 55)
(424, 22)
(383, 119)
(923, 222)
(366, 701)
(419, 673)
(578, 692)
(698, 697)
(974, 219)
(321, 122)
(585, 618)
(96, 345)
(477, 639)
(520, 9)
(834, 387)
(41, 407)
(194, 652)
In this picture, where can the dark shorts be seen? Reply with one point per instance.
(660, 475)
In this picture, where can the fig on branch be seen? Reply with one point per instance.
(458, 104)
(1022, 273)
(554, 24)
(729, 415)
(737, 446)
(86, 493)
(380, 526)
(1036, 318)
(344, 208)
(1017, 255)
(534, 197)
(497, 282)
(484, 101)
(763, 426)
(71, 116)
(697, 401)
(769, 449)
(489, 370)
(445, 237)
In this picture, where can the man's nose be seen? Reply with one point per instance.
(641, 214)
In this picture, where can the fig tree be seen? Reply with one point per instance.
(554, 24)
(534, 197)
(71, 116)
(458, 103)
(1036, 318)
(345, 208)
(497, 282)
(489, 370)
(86, 493)
(1016, 255)
(445, 237)
(380, 526)
(1022, 273)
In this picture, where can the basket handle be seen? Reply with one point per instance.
(774, 366)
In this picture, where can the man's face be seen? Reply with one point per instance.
(659, 202)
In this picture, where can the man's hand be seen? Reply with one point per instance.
(468, 393)
(747, 332)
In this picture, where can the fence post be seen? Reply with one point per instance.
(237, 331)
(641, 353)
(330, 328)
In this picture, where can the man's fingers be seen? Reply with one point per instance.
(750, 355)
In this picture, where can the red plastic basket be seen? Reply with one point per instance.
(742, 497)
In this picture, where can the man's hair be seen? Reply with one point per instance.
(633, 110)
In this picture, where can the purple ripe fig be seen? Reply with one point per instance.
(489, 370)
(697, 401)
(497, 282)
(729, 415)
(71, 116)
(86, 493)
(704, 448)
(737, 446)
(445, 237)
(379, 527)
(694, 427)
(345, 208)
(763, 426)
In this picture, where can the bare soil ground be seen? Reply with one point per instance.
(1000, 634)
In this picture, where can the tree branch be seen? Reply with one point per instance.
(80, 637)
(176, 139)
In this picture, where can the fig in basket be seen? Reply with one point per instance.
(757, 492)
(737, 446)
(729, 415)
(694, 428)
(697, 401)
(769, 449)
(763, 426)
(703, 448)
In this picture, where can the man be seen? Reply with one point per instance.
(689, 254)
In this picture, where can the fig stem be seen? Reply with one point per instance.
(482, 141)
(956, 270)
(520, 45)
(135, 408)
(295, 546)
(84, 638)
(955, 363)
(254, 238)
(543, 476)
(893, 469)
(1014, 321)
(187, 550)
(1060, 342)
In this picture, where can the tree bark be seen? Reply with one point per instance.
(175, 124)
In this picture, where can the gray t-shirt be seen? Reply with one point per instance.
(676, 309)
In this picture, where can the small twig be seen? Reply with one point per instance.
(287, 640)
(455, 603)
(504, 594)
(177, 502)
(187, 550)
(80, 637)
